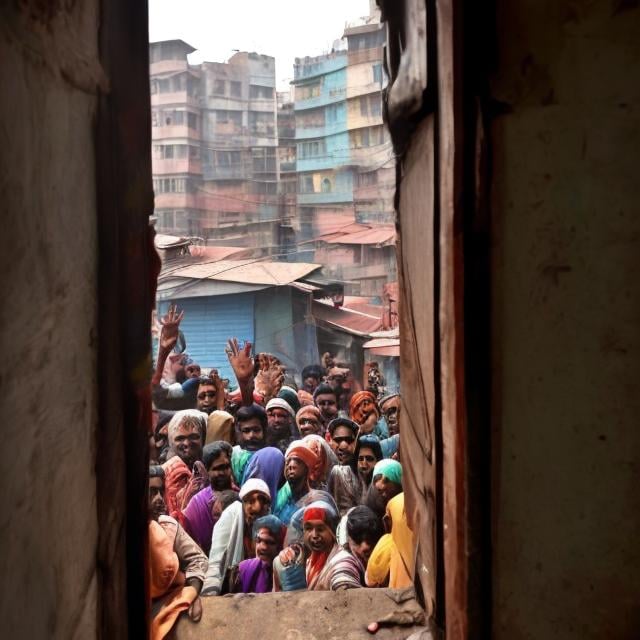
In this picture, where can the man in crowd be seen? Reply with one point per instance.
(326, 400)
(232, 539)
(311, 377)
(337, 380)
(350, 481)
(199, 518)
(251, 426)
(390, 407)
(210, 394)
(281, 427)
(186, 431)
(309, 421)
(177, 566)
(300, 463)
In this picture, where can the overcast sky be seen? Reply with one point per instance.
(215, 27)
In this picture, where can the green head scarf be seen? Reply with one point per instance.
(390, 469)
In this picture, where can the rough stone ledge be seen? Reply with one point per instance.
(304, 615)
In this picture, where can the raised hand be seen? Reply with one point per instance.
(170, 328)
(240, 359)
(220, 390)
(270, 377)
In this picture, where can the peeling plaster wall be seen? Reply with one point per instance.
(566, 318)
(48, 412)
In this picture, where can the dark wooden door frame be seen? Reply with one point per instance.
(127, 267)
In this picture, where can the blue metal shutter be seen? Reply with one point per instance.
(209, 322)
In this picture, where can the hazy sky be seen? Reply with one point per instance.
(284, 29)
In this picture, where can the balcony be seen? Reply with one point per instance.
(176, 166)
(262, 104)
(215, 172)
(174, 97)
(303, 133)
(325, 198)
(326, 97)
(175, 201)
(167, 66)
(174, 131)
(374, 54)
(364, 89)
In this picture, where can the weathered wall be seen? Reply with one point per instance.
(566, 235)
(48, 410)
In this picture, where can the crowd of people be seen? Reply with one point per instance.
(271, 486)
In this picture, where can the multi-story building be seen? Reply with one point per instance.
(215, 147)
(371, 150)
(323, 164)
(239, 137)
(287, 170)
(176, 125)
(345, 163)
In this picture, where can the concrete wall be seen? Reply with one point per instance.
(49, 73)
(566, 312)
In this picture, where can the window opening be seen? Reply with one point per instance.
(278, 230)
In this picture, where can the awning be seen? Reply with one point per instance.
(252, 272)
(383, 347)
(353, 322)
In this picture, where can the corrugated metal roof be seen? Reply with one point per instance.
(382, 235)
(354, 322)
(247, 271)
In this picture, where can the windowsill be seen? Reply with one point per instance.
(317, 615)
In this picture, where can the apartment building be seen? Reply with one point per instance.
(215, 147)
(371, 150)
(323, 163)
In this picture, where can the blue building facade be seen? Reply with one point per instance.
(323, 157)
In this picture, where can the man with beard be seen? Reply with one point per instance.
(177, 566)
(232, 539)
(390, 407)
(299, 465)
(281, 427)
(251, 426)
(199, 516)
(325, 398)
(350, 481)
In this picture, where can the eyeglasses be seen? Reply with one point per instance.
(206, 394)
(366, 459)
(308, 421)
(341, 439)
